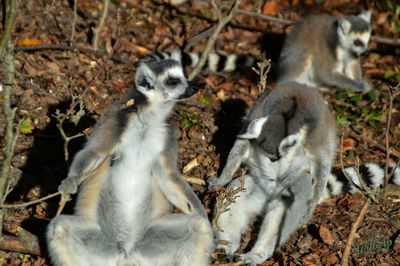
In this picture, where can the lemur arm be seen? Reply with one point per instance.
(176, 190)
(98, 148)
(239, 153)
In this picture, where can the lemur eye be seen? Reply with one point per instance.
(358, 42)
(172, 81)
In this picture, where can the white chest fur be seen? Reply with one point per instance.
(345, 61)
(140, 147)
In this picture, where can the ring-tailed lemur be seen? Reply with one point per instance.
(288, 144)
(124, 210)
(324, 51)
(216, 62)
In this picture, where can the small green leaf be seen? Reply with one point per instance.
(26, 126)
(389, 74)
(398, 77)
(342, 120)
(204, 100)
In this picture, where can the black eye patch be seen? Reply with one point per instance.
(286, 147)
(358, 42)
(172, 81)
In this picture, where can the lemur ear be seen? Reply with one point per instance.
(177, 55)
(366, 15)
(292, 142)
(144, 76)
(253, 130)
(344, 26)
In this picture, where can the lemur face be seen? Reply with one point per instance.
(354, 33)
(163, 81)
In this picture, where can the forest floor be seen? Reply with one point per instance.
(48, 79)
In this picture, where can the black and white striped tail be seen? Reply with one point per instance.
(216, 62)
(372, 174)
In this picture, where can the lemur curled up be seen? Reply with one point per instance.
(288, 142)
(124, 210)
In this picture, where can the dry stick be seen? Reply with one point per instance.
(88, 51)
(388, 124)
(222, 21)
(24, 242)
(25, 204)
(74, 21)
(360, 217)
(225, 199)
(98, 30)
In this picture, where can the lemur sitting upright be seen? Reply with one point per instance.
(124, 210)
(324, 51)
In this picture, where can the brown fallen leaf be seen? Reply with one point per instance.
(29, 42)
(348, 144)
(270, 8)
(326, 235)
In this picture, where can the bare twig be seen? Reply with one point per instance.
(80, 180)
(263, 69)
(354, 227)
(98, 53)
(100, 27)
(392, 96)
(26, 204)
(222, 21)
(387, 41)
(225, 199)
(74, 21)
(264, 17)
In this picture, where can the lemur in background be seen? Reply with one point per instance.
(288, 142)
(324, 51)
(124, 210)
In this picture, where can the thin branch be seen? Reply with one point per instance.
(26, 204)
(226, 198)
(100, 27)
(88, 51)
(222, 21)
(392, 97)
(74, 21)
(263, 69)
(264, 17)
(354, 227)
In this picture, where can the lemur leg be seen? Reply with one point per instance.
(235, 222)
(175, 239)
(69, 238)
(284, 216)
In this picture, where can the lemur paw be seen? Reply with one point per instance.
(251, 258)
(68, 186)
(56, 229)
(214, 183)
(367, 86)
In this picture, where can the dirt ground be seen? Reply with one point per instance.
(47, 80)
